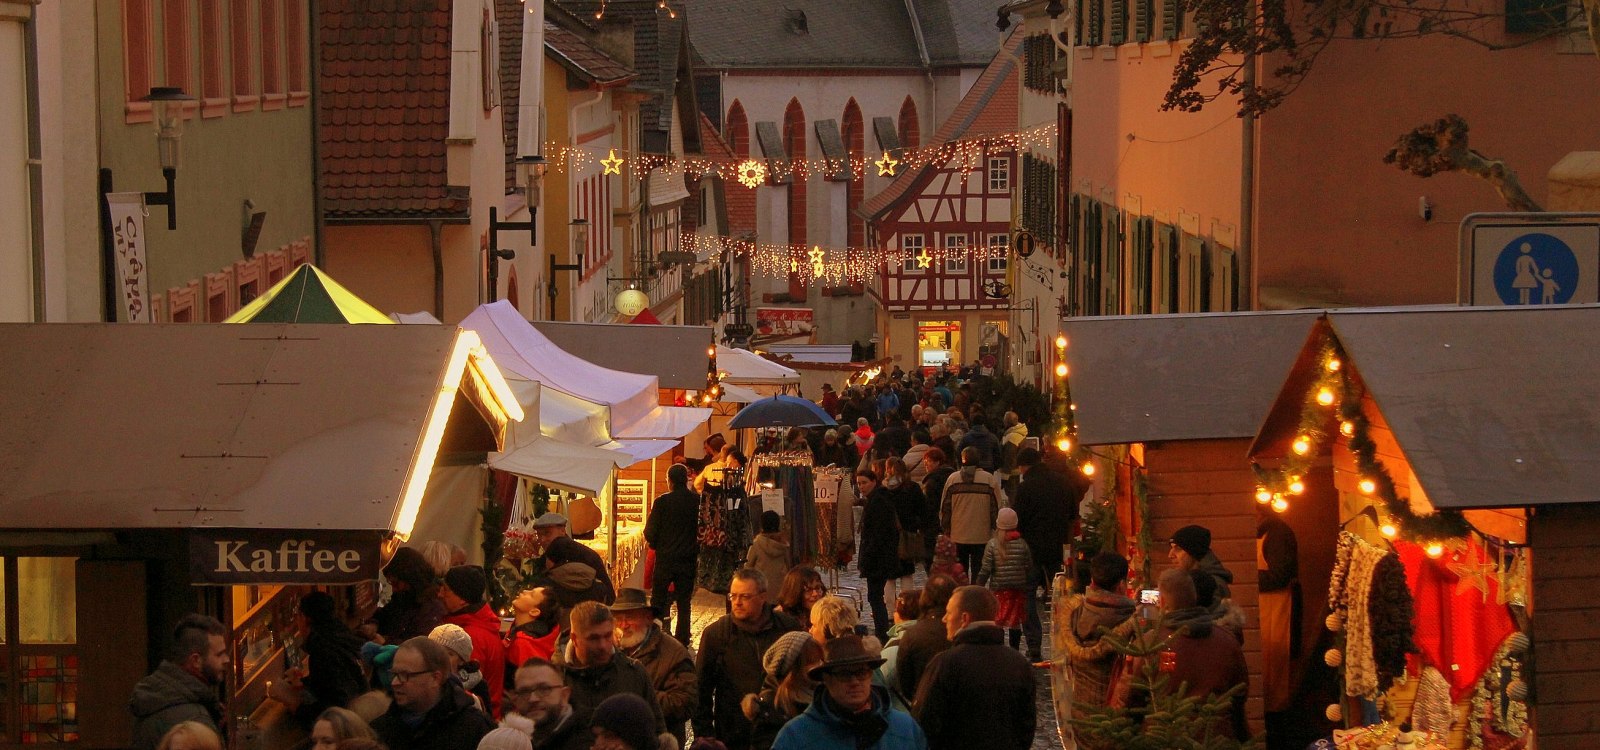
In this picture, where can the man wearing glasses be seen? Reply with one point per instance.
(850, 713)
(539, 694)
(729, 661)
(430, 711)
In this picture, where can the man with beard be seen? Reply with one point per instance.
(539, 694)
(1190, 550)
(669, 664)
(430, 710)
(595, 671)
(184, 687)
(729, 661)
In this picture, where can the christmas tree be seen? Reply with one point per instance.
(1158, 715)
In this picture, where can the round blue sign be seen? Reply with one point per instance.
(1536, 269)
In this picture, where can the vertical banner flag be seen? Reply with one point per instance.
(127, 233)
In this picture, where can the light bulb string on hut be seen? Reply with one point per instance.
(1334, 398)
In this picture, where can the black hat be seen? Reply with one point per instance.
(843, 652)
(629, 717)
(629, 599)
(468, 582)
(1195, 540)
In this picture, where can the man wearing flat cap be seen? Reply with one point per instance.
(850, 713)
(1191, 551)
(561, 550)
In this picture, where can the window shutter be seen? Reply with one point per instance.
(1142, 20)
(1166, 273)
(1093, 231)
(1077, 24)
(1074, 251)
(1119, 21)
(1111, 264)
(1224, 281)
(1097, 10)
(1171, 19)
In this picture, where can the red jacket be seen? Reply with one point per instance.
(488, 650)
(522, 646)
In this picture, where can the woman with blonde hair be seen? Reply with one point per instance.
(190, 735)
(336, 725)
(831, 617)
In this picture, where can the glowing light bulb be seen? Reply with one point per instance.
(1389, 531)
(1064, 445)
(1296, 487)
(1087, 468)
(1347, 428)
(1279, 504)
(1333, 364)
(1368, 486)
(1301, 445)
(1061, 341)
(1325, 396)
(711, 351)
(1061, 370)
(1435, 549)
(1263, 495)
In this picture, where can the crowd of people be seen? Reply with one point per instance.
(585, 664)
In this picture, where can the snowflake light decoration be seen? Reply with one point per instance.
(752, 173)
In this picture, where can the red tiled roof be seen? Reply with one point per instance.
(740, 200)
(989, 108)
(384, 109)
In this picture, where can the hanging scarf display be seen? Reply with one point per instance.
(791, 472)
(835, 518)
(724, 535)
(1372, 606)
(1459, 620)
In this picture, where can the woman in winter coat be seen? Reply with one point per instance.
(331, 674)
(787, 690)
(415, 608)
(1006, 569)
(939, 471)
(802, 587)
(879, 560)
(910, 507)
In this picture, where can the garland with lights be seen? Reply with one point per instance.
(1335, 389)
(836, 265)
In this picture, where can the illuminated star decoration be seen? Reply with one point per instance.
(924, 260)
(612, 164)
(794, 266)
(886, 165)
(752, 173)
(1472, 576)
(816, 255)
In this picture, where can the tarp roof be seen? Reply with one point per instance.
(522, 350)
(675, 355)
(307, 295)
(1179, 377)
(234, 426)
(745, 366)
(1491, 406)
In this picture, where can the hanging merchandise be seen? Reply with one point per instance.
(1459, 622)
(836, 517)
(1371, 606)
(725, 532)
(791, 472)
(1498, 717)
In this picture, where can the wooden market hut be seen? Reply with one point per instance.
(1177, 399)
(1489, 412)
(149, 471)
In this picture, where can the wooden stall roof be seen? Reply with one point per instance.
(676, 355)
(240, 426)
(1179, 377)
(1492, 406)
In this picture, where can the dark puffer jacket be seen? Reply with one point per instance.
(1013, 572)
(592, 685)
(729, 663)
(454, 723)
(168, 697)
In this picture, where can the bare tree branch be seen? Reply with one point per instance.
(1441, 146)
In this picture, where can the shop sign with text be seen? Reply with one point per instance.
(283, 556)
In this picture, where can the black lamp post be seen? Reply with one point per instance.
(580, 243)
(168, 103)
(530, 175)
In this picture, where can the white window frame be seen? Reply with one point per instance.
(999, 174)
(908, 264)
(953, 264)
(1001, 263)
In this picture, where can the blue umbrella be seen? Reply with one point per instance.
(781, 411)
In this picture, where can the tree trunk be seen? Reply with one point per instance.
(1441, 146)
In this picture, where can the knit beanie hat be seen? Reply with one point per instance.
(784, 654)
(454, 639)
(629, 717)
(1195, 540)
(1006, 520)
(506, 738)
(468, 582)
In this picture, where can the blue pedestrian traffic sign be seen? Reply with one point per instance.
(1530, 259)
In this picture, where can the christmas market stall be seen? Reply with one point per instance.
(151, 471)
(1460, 447)
(631, 412)
(1162, 411)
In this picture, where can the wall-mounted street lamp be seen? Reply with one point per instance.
(530, 177)
(579, 229)
(168, 102)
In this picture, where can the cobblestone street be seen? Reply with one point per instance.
(709, 606)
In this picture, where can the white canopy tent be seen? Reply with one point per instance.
(744, 367)
(632, 399)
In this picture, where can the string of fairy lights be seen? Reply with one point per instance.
(753, 172)
(1333, 408)
(833, 265)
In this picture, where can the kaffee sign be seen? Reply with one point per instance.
(263, 556)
